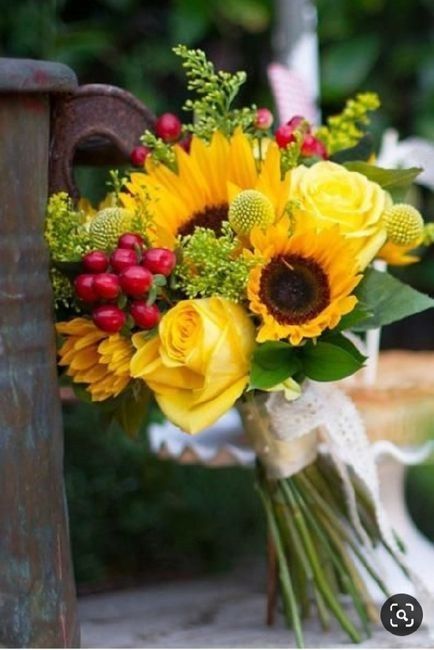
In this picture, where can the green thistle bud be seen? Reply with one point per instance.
(250, 208)
(108, 225)
(404, 224)
(428, 234)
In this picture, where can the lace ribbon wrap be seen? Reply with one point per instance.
(290, 442)
(281, 457)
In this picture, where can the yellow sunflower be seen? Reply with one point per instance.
(95, 358)
(396, 255)
(206, 180)
(90, 211)
(303, 283)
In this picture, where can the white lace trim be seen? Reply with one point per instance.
(326, 407)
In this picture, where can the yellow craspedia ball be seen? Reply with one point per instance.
(250, 208)
(108, 225)
(404, 224)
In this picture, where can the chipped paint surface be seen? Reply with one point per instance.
(37, 594)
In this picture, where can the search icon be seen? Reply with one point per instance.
(401, 615)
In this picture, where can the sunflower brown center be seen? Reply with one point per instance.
(294, 288)
(211, 217)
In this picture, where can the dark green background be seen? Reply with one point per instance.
(133, 517)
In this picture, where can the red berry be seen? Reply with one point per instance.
(313, 147)
(95, 262)
(186, 143)
(109, 318)
(145, 316)
(159, 260)
(135, 281)
(264, 119)
(139, 155)
(107, 286)
(84, 287)
(298, 121)
(122, 258)
(130, 240)
(284, 136)
(168, 127)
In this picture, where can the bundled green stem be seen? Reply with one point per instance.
(318, 548)
(315, 547)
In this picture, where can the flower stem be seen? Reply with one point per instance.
(320, 578)
(300, 553)
(287, 587)
(337, 552)
(331, 516)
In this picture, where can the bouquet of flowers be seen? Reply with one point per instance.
(232, 266)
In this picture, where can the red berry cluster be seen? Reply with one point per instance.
(125, 278)
(168, 127)
(311, 146)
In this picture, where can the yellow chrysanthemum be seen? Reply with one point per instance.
(304, 282)
(95, 358)
(206, 181)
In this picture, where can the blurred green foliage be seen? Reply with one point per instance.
(382, 45)
(131, 514)
(128, 42)
(134, 517)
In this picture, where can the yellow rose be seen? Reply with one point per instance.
(199, 363)
(326, 194)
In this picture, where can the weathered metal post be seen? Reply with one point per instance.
(37, 593)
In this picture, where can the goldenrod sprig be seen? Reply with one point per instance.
(68, 240)
(290, 156)
(162, 152)
(211, 265)
(215, 93)
(348, 127)
(65, 234)
(115, 184)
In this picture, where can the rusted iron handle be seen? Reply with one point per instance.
(96, 125)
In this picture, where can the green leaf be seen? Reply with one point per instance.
(328, 362)
(129, 409)
(159, 280)
(361, 151)
(389, 179)
(272, 363)
(133, 410)
(337, 338)
(152, 295)
(388, 299)
(70, 269)
(81, 392)
(359, 313)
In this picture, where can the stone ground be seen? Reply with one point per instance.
(223, 611)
